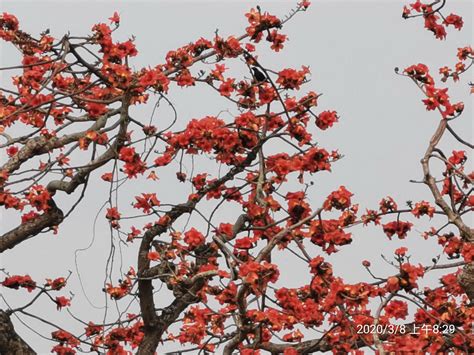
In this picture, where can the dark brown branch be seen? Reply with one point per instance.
(52, 217)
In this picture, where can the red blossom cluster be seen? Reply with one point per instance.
(113, 215)
(18, 281)
(62, 301)
(437, 98)
(123, 288)
(258, 275)
(328, 234)
(326, 119)
(38, 197)
(340, 199)
(133, 163)
(261, 23)
(56, 284)
(465, 56)
(146, 202)
(399, 228)
(193, 238)
(67, 343)
(117, 339)
(314, 160)
(432, 16)
(423, 208)
(291, 78)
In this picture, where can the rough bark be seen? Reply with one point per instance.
(10, 342)
(466, 280)
(53, 217)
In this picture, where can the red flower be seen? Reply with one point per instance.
(29, 216)
(93, 329)
(243, 243)
(199, 181)
(194, 238)
(464, 52)
(396, 309)
(218, 71)
(458, 157)
(277, 40)
(184, 78)
(326, 119)
(164, 160)
(133, 163)
(305, 4)
(401, 251)
(115, 18)
(148, 78)
(431, 24)
(295, 336)
(63, 350)
(8, 22)
(409, 275)
(419, 72)
(62, 301)
(12, 150)
(146, 202)
(56, 284)
(387, 205)
(10, 201)
(153, 255)
(297, 208)
(397, 227)
(127, 154)
(291, 78)
(316, 159)
(227, 87)
(258, 275)
(120, 291)
(225, 229)
(95, 110)
(437, 98)
(229, 48)
(291, 350)
(454, 20)
(107, 177)
(39, 197)
(18, 281)
(133, 234)
(65, 337)
(340, 199)
(393, 284)
(260, 22)
(423, 208)
(370, 216)
(112, 214)
(8, 26)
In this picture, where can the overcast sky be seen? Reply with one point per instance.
(352, 48)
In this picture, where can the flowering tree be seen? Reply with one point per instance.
(67, 119)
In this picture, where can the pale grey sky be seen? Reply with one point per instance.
(352, 48)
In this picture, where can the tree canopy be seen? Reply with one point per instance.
(67, 128)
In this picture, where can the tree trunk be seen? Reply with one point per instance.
(10, 341)
(466, 280)
(149, 343)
